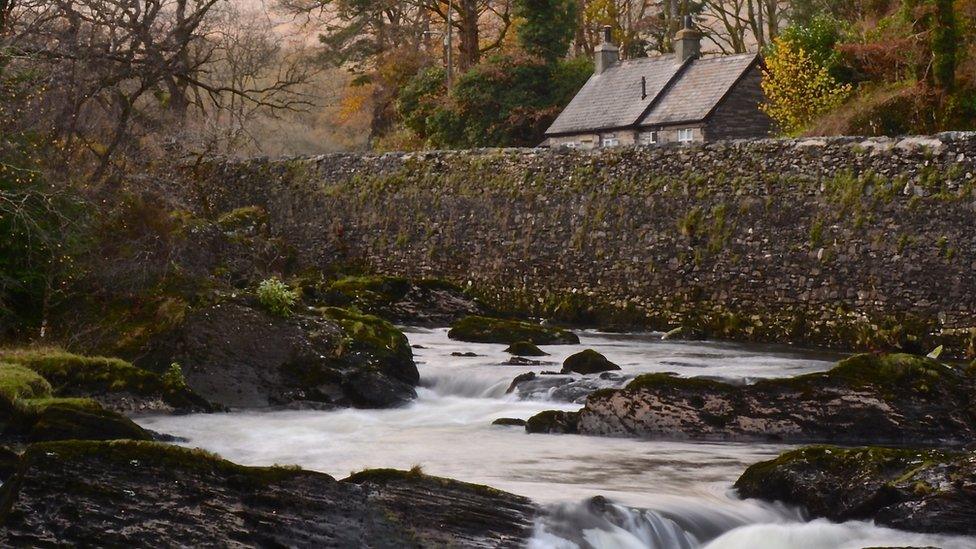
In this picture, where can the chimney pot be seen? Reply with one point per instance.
(606, 52)
(687, 43)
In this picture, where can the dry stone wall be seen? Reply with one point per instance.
(849, 242)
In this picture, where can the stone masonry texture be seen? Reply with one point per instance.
(849, 242)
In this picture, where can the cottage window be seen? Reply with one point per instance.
(686, 135)
(610, 140)
(649, 138)
(572, 145)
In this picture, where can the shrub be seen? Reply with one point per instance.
(798, 90)
(275, 296)
(173, 377)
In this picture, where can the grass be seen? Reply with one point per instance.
(20, 382)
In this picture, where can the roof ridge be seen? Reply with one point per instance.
(664, 90)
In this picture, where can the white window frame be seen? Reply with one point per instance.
(686, 135)
(649, 138)
(609, 140)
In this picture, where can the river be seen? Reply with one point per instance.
(661, 495)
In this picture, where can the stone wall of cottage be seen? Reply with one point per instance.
(844, 242)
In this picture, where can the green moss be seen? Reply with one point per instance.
(76, 375)
(480, 329)
(368, 331)
(416, 475)
(525, 348)
(588, 361)
(901, 464)
(71, 420)
(371, 291)
(17, 381)
(912, 372)
(127, 452)
(662, 381)
(248, 216)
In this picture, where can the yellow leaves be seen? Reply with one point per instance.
(797, 89)
(355, 103)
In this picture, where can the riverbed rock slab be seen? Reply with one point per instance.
(868, 399)
(140, 494)
(909, 489)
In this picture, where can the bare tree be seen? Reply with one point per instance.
(117, 71)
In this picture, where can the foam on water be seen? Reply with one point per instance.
(662, 494)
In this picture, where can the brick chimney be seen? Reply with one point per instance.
(606, 53)
(687, 43)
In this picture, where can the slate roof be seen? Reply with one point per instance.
(613, 99)
(699, 88)
(675, 93)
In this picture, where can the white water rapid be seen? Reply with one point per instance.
(659, 495)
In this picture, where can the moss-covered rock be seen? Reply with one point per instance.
(908, 489)
(45, 419)
(238, 355)
(427, 301)
(18, 381)
(525, 348)
(68, 419)
(115, 383)
(865, 399)
(553, 421)
(134, 494)
(376, 342)
(481, 329)
(588, 362)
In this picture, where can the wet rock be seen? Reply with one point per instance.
(588, 362)
(509, 422)
(866, 399)
(481, 329)
(909, 489)
(468, 354)
(241, 356)
(9, 460)
(561, 387)
(140, 494)
(522, 361)
(553, 421)
(521, 378)
(525, 348)
(114, 383)
(418, 302)
(48, 419)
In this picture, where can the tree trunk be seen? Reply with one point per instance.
(468, 48)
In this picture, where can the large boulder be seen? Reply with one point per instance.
(588, 362)
(908, 489)
(140, 494)
(242, 356)
(482, 329)
(865, 399)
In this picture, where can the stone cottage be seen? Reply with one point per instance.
(682, 97)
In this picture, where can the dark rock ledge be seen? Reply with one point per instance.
(892, 399)
(145, 494)
(918, 490)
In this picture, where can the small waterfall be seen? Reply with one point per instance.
(598, 524)
(601, 524)
(464, 384)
